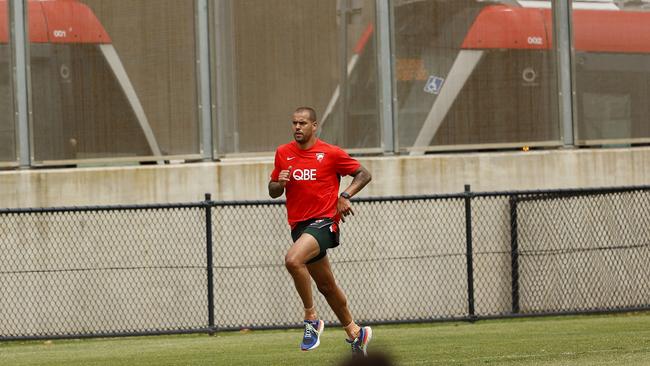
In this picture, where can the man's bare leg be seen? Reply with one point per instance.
(305, 248)
(321, 272)
(358, 337)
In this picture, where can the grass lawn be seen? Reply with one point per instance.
(622, 339)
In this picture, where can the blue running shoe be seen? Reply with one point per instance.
(311, 338)
(360, 344)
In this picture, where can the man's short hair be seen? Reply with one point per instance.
(310, 110)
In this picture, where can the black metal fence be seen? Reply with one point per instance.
(209, 266)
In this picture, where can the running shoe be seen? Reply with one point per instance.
(360, 344)
(311, 337)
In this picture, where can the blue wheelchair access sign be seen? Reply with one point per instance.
(434, 84)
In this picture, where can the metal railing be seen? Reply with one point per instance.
(210, 266)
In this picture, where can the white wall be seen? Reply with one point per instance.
(246, 179)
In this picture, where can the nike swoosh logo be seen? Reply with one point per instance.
(291, 158)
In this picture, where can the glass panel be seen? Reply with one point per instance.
(113, 78)
(474, 72)
(7, 121)
(288, 53)
(612, 72)
(359, 125)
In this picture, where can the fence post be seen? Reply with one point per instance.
(209, 266)
(469, 253)
(514, 255)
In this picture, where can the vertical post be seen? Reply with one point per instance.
(339, 132)
(203, 72)
(226, 131)
(385, 76)
(469, 253)
(514, 255)
(563, 39)
(209, 267)
(20, 54)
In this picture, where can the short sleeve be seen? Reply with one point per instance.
(276, 170)
(345, 165)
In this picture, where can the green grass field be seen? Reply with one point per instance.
(583, 340)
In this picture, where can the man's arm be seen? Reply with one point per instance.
(277, 188)
(361, 178)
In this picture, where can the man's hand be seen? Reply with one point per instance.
(361, 178)
(344, 207)
(283, 177)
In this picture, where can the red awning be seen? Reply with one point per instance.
(504, 27)
(57, 21)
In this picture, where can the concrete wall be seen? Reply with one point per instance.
(247, 179)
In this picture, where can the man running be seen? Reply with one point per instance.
(308, 171)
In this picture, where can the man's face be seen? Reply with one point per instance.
(303, 127)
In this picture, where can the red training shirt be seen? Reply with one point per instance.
(313, 187)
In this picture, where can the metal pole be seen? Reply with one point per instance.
(225, 86)
(203, 63)
(564, 41)
(385, 76)
(514, 255)
(469, 253)
(340, 129)
(209, 265)
(19, 42)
